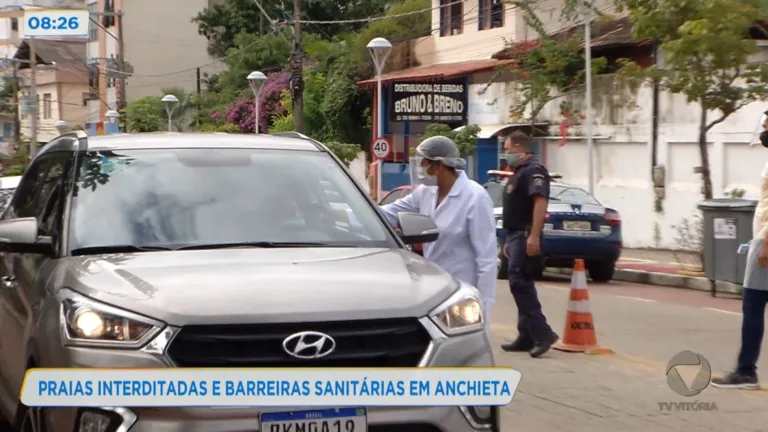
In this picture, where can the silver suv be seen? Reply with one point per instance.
(216, 250)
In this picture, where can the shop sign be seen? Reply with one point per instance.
(439, 102)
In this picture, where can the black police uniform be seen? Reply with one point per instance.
(530, 179)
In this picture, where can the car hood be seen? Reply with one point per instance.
(261, 285)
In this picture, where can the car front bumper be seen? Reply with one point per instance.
(472, 350)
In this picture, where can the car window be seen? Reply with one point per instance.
(187, 197)
(572, 195)
(496, 191)
(392, 197)
(37, 185)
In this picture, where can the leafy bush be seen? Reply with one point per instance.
(145, 115)
(242, 113)
(465, 138)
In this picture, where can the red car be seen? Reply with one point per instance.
(394, 195)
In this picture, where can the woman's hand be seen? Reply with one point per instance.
(762, 256)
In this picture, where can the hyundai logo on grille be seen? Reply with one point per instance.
(309, 345)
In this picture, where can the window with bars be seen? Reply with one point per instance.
(451, 17)
(490, 14)
(108, 20)
(47, 106)
(93, 29)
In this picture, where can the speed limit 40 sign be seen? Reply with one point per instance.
(382, 148)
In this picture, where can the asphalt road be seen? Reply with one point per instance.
(645, 326)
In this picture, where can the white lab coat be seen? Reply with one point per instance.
(466, 247)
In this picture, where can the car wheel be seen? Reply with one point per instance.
(503, 268)
(503, 264)
(29, 419)
(601, 271)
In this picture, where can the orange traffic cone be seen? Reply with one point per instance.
(579, 335)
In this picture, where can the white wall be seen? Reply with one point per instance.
(358, 168)
(623, 159)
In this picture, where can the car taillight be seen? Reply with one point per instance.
(612, 218)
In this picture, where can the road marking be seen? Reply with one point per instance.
(637, 298)
(723, 311)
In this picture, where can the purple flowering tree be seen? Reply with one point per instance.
(242, 112)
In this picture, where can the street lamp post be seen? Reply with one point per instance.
(113, 116)
(586, 4)
(62, 126)
(256, 79)
(379, 49)
(170, 102)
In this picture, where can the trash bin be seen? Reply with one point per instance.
(727, 224)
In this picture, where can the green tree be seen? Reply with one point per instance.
(265, 53)
(184, 109)
(395, 30)
(706, 53)
(145, 115)
(221, 24)
(465, 138)
(547, 68)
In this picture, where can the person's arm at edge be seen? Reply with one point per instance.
(539, 214)
(406, 204)
(482, 236)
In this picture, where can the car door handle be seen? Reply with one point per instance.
(8, 282)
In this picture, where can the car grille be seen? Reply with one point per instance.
(363, 343)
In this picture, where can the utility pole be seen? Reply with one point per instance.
(297, 77)
(33, 96)
(121, 100)
(197, 102)
(261, 19)
(15, 99)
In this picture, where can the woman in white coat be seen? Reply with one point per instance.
(463, 213)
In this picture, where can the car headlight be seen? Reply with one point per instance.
(461, 313)
(86, 322)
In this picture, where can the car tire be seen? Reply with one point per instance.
(601, 271)
(29, 419)
(503, 267)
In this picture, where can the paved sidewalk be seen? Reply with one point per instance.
(623, 391)
(661, 261)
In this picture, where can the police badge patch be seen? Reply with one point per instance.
(538, 182)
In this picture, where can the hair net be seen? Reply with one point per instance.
(443, 149)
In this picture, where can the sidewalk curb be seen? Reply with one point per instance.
(665, 279)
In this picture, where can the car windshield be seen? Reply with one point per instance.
(176, 198)
(496, 191)
(571, 195)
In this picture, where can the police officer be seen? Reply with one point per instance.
(525, 206)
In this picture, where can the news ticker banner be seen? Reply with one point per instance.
(493, 386)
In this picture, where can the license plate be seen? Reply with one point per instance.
(577, 225)
(329, 420)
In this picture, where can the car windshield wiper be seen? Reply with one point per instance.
(93, 250)
(258, 244)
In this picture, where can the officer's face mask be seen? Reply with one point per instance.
(513, 158)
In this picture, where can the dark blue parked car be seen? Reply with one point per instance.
(577, 226)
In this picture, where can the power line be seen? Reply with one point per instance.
(378, 18)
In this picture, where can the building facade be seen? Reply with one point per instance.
(161, 45)
(627, 145)
(62, 87)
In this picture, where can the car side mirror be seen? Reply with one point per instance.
(20, 236)
(417, 228)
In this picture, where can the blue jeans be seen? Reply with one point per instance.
(531, 322)
(752, 328)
